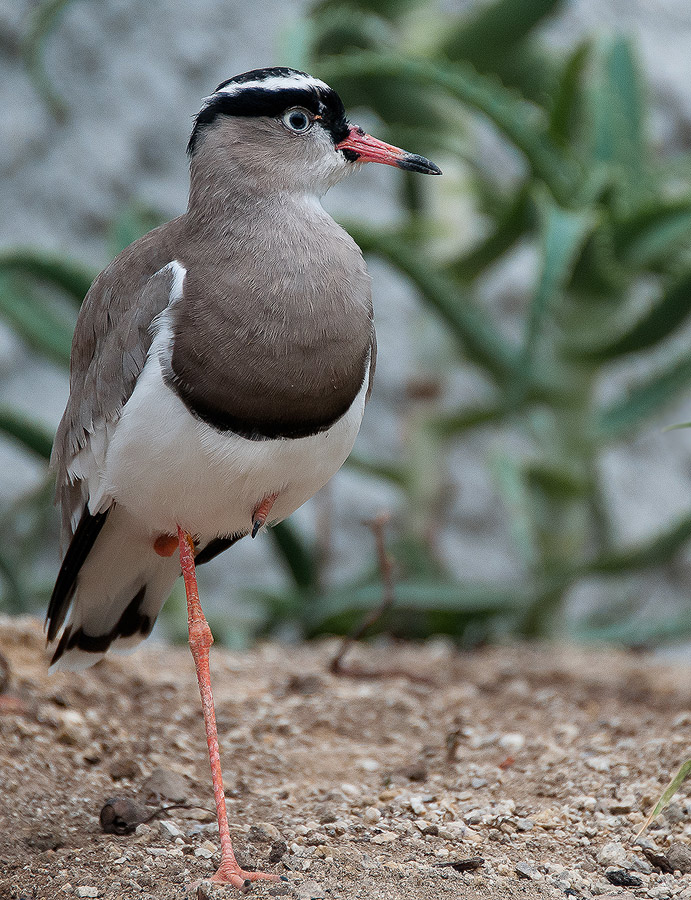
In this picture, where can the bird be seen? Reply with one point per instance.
(219, 372)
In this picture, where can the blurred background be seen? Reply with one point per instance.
(532, 305)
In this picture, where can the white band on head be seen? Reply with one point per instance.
(273, 83)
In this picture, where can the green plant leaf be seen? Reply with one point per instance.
(636, 633)
(568, 95)
(653, 234)
(662, 320)
(468, 324)
(32, 320)
(563, 233)
(386, 471)
(512, 223)
(71, 276)
(29, 434)
(453, 424)
(511, 480)
(419, 596)
(43, 22)
(493, 30)
(295, 554)
(677, 780)
(521, 122)
(655, 552)
(134, 222)
(616, 113)
(646, 399)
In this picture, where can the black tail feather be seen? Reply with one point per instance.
(80, 546)
(131, 622)
(216, 546)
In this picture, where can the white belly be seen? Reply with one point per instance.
(168, 468)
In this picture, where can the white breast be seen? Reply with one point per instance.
(168, 468)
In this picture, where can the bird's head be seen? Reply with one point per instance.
(280, 128)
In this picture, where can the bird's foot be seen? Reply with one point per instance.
(261, 512)
(229, 872)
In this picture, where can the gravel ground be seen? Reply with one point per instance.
(538, 762)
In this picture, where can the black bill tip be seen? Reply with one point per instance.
(411, 162)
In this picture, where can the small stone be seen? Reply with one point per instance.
(124, 768)
(599, 763)
(526, 870)
(627, 895)
(658, 860)
(385, 837)
(622, 878)
(613, 854)
(203, 853)
(87, 891)
(169, 829)
(372, 815)
(623, 806)
(310, 890)
(512, 742)
(679, 857)
(417, 806)
(163, 784)
(278, 849)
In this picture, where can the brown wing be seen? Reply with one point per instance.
(109, 349)
(372, 364)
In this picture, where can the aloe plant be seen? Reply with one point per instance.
(606, 216)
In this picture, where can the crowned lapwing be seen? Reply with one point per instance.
(220, 370)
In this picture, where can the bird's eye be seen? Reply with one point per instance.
(298, 120)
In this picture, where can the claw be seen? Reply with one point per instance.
(261, 512)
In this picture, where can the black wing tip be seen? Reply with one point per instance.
(80, 546)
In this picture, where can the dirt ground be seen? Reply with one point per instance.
(537, 763)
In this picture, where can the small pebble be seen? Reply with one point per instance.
(87, 891)
(679, 857)
(512, 742)
(372, 814)
(386, 837)
(526, 870)
(163, 784)
(622, 878)
(613, 854)
(169, 829)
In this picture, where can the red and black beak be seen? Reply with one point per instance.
(362, 147)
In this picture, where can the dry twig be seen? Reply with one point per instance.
(337, 665)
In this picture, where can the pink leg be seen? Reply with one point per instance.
(201, 639)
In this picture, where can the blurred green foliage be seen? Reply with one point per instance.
(610, 222)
